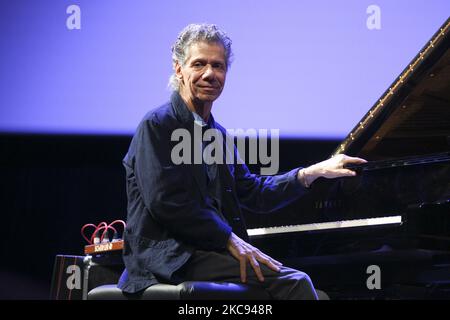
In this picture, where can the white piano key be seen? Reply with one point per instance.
(392, 220)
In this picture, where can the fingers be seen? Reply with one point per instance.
(273, 266)
(255, 266)
(276, 262)
(345, 158)
(255, 258)
(265, 260)
(348, 159)
(243, 267)
(245, 253)
(345, 173)
(337, 166)
(269, 260)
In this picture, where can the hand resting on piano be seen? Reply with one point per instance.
(246, 253)
(330, 168)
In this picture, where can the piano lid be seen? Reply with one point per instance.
(412, 117)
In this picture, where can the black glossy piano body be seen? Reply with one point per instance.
(400, 200)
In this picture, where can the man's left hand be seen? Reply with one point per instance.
(330, 168)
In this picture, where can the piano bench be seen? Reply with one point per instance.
(189, 290)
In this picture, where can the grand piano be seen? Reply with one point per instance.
(395, 214)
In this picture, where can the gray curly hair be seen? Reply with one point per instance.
(194, 33)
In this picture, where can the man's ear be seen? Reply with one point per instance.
(178, 73)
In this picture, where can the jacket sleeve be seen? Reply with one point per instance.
(264, 194)
(168, 192)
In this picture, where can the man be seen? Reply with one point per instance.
(184, 220)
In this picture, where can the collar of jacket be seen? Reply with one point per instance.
(182, 112)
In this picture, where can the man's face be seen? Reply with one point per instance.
(202, 78)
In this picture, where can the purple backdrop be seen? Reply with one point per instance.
(308, 68)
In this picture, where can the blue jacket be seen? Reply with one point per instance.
(168, 216)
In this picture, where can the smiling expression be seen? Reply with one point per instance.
(202, 77)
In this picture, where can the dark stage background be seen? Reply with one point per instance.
(53, 184)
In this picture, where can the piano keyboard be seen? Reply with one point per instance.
(393, 220)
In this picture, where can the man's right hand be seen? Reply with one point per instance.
(245, 252)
